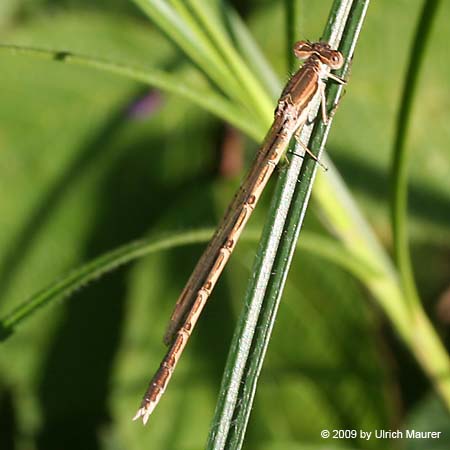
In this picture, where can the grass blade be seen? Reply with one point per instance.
(195, 45)
(263, 293)
(409, 320)
(79, 278)
(67, 285)
(399, 199)
(203, 97)
(292, 15)
(244, 41)
(251, 85)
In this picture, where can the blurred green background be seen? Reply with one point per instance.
(90, 161)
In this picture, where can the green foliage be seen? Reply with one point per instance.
(82, 175)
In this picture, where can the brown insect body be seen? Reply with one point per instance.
(290, 116)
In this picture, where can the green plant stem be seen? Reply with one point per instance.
(399, 198)
(420, 334)
(200, 23)
(64, 287)
(292, 16)
(193, 43)
(251, 85)
(409, 321)
(108, 262)
(408, 317)
(205, 98)
(248, 48)
(196, 44)
(270, 270)
(430, 353)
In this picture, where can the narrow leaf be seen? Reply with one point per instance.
(67, 285)
(266, 285)
(250, 51)
(196, 48)
(206, 98)
(251, 85)
(399, 199)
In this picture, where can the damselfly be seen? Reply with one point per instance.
(290, 116)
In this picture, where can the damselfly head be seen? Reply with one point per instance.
(332, 58)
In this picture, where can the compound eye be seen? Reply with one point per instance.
(302, 49)
(337, 61)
